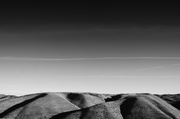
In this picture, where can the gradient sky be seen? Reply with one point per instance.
(105, 47)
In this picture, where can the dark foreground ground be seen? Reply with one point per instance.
(90, 106)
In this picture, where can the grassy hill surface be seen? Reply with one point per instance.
(90, 106)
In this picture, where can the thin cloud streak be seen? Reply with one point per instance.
(118, 76)
(79, 59)
(149, 68)
(99, 76)
(146, 69)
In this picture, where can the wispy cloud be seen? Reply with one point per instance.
(150, 68)
(127, 74)
(101, 76)
(78, 59)
(123, 74)
(119, 76)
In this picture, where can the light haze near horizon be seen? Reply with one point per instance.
(99, 75)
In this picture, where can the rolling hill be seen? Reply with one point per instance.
(67, 105)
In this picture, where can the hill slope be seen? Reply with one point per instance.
(89, 106)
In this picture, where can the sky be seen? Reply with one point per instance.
(101, 47)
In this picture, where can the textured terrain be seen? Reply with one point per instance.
(90, 106)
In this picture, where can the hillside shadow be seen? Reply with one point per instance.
(127, 106)
(63, 114)
(113, 98)
(77, 99)
(11, 109)
(79, 114)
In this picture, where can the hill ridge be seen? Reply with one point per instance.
(68, 105)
